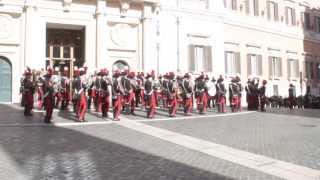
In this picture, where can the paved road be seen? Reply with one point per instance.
(111, 151)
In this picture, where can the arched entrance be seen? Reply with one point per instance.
(120, 65)
(5, 80)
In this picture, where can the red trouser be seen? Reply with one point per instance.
(239, 102)
(151, 105)
(28, 103)
(48, 102)
(81, 107)
(221, 104)
(172, 105)
(58, 99)
(202, 100)
(65, 99)
(105, 104)
(117, 107)
(291, 102)
(40, 96)
(142, 97)
(129, 100)
(235, 103)
(263, 101)
(99, 101)
(187, 102)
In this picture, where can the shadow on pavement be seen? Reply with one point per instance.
(64, 153)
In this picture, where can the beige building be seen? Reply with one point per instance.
(276, 40)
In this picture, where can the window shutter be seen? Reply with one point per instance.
(270, 67)
(268, 9)
(191, 58)
(290, 70)
(280, 66)
(294, 17)
(249, 64)
(287, 15)
(208, 52)
(315, 27)
(260, 64)
(302, 19)
(226, 62)
(234, 4)
(276, 13)
(297, 69)
(311, 70)
(248, 6)
(256, 7)
(305, 68)
(238, 63)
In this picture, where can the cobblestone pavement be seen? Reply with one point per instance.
(279, 134)
(102, 152)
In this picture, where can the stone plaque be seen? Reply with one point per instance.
(5, 27)
(122, 35)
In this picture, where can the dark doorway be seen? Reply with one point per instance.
(64, 43)
(5, 79)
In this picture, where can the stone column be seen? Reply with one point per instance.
(149, 61)
(101, 35)
(29, 35)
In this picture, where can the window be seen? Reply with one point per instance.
(254, 64)
(232, 62)
(293, 68)
(318, 70)
(275, 67)
(230, 4)
(273, 11)
(290, 16)
(305, 18)
(317, 24)
(309, 70)
(252, 7)
(200, 58)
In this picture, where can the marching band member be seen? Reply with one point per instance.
(221, 95)
(65, 89)
(172, 95)
(48, 95)
(40, 91)
(200, 94)
(238, 82)
(150, 99)
(104, 93)
(117, 93)
(91, 89)
(292, 96)
(131, 99)
(96, 91)
(57, 86)
(234, 91)
(262, 96)
(187, 94)
(28, 91)
(80, 93)
(211, 91)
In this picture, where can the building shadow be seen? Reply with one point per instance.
(51, 152)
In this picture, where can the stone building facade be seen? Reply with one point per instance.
(277, 40)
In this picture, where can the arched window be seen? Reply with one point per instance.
(120, 65)
(5, 80)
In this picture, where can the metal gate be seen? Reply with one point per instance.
(5, 80)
